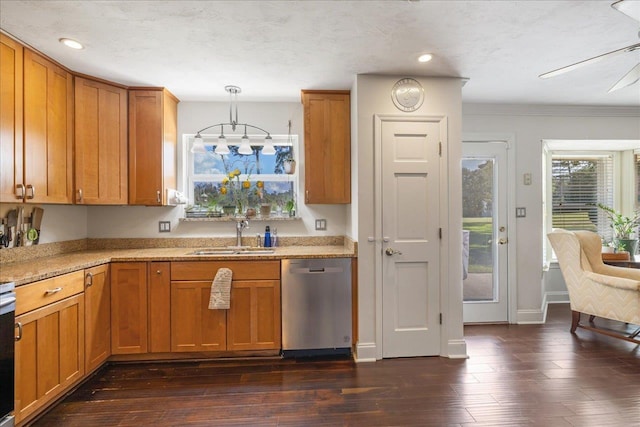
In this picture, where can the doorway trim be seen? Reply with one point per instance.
(453, 348)
(509, 139)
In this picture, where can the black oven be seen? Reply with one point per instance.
(7, 352)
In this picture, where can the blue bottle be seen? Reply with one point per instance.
(267, 237)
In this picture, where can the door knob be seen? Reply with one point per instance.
(390, 252)
(503, 241)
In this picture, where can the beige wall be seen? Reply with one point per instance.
(442, 98)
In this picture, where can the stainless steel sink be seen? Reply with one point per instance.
(233, 250)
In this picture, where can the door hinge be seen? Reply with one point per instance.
(441, 318)
(440, 233)
(440, 149)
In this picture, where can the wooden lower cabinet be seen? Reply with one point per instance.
(49, 354)
(194, 327)
(253, 320)
(97, 319)
(129, 308)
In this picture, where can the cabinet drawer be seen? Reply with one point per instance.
(242, 270)
(38, 294)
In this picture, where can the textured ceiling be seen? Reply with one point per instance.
(272, 49)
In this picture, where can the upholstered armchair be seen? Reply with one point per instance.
(595, 288)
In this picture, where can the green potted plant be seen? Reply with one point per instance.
(623, 227)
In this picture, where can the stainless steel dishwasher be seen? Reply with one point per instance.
(316, 306)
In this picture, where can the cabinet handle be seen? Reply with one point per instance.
(20, 188)
(33, 191)
(88, 279)
(306, 196)
(158, 197)
(53, 291)
(158, 272)
(19, 326)
(80, 194)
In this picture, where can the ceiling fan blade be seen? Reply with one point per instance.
(589, 61)
(629, 8)
(630, 78)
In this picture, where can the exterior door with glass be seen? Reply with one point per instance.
(484, 223)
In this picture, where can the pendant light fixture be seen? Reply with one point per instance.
(245, 145)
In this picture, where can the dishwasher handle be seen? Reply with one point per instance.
(316, 270)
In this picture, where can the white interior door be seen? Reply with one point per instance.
(411, 247)
(484, 223)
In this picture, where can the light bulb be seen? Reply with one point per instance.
(198, 145)
(268, 148)
(245, 147)
(222, 147)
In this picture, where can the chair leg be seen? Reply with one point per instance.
(591, 318)
(575, 320)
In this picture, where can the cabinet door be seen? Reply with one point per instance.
(48, 131)
(327, 146)
(11, 173)
(152, 146)
(128, 307)
(100, 143)
(254, 315)
(159, 307)
(50, 354)
(97, 297)
(193, 326)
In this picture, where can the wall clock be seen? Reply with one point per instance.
(407, 94)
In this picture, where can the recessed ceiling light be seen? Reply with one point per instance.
(425, 58)
(73, 44)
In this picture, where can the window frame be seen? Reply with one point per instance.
(256, 140)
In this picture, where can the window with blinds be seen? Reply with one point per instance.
(578, 184)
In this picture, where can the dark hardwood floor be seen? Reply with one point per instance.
(516, 375)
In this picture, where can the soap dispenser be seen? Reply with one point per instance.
(267, 237)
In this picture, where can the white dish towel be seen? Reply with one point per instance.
(221, 290)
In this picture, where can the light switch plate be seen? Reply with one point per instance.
(164, 226)
(521, 212)
(527, 178)
(321, 224)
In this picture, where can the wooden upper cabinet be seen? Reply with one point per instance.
(327, 146)
(100, 143)
(11, 148)
(152, 146)
(48, 131)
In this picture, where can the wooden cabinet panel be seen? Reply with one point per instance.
(327, 146)
(152, 146)
(129, 308)
(11, 121)
(100, 143)
(38, 294)
(159, 307)
(49, 355)
(254, 315)
(242, 270)
(193, 326)
(48, 130)
(97, 297)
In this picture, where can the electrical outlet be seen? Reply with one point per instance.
(527, 178)
(164, 226)
(321, 224)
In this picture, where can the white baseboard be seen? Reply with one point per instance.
(553, 297)
(532, 316)
(456, 349)
(365, 352)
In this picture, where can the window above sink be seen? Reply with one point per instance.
(259, 179)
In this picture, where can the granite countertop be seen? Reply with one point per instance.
(24, 272)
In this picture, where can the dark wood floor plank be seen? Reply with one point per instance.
(527, 375)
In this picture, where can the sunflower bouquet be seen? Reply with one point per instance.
(240, 190)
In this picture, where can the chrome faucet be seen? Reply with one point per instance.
(241, 224)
